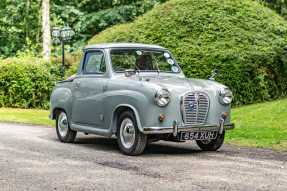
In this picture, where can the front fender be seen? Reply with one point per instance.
(134, 100)
(145, 110)
(135, 111)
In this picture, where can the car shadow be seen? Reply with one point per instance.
(97, 143)
(177, 149)
(170, 149)
(157, 148)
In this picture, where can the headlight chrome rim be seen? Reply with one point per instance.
(225, 96)
(162, 97)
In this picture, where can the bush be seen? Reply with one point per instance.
(241, 38)
(26, 82)
(94, 21)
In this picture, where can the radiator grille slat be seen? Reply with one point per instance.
(196, 106)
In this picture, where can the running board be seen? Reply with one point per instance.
(91, 130)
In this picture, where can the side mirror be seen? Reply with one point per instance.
(129, 72)
(214, 73)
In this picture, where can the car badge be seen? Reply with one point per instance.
(193, 104)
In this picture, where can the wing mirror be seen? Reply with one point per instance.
(214, 73)
(129, 72)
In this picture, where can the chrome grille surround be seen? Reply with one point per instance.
(195, 107)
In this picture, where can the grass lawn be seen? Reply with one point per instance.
(31, 116)
(261, 125)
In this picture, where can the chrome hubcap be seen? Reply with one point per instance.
(63, 124)
(127, 133)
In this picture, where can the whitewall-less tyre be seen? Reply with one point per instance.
(64, 132)
(212, 145)
(130, 140)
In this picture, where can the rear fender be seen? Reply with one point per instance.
(61, 98)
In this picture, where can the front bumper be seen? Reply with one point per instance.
(190, 128)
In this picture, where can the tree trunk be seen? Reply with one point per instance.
(46, 29)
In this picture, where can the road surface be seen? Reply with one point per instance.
(31, 158)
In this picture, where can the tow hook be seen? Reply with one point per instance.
(221, 125)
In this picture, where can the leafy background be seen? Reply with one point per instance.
(20, 20)
(245, 40)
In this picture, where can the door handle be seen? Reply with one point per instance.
(105, 88)
(77, 84)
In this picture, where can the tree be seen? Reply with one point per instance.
(25, 24)
(46, 36)
(280, 6)
(19, 26)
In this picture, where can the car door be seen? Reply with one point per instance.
(88, 90)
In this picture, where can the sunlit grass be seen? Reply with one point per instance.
(31, 116)
(260, 125)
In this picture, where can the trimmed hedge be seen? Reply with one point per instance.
(26, 82)
(241, 38)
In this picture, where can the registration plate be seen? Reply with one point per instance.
(198, 135)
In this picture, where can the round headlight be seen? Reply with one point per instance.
(225, 96)
(162, 97)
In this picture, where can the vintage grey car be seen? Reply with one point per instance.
(139, 94)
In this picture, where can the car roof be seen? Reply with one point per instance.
(122, 45)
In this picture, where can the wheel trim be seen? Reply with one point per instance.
(63, 125)
(127, 133)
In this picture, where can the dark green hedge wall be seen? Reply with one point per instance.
(241, 38)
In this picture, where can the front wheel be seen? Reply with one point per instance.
(211, 145)
(64, 132)
(130, 140)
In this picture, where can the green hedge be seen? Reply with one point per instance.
(26, 82)
(241, 38)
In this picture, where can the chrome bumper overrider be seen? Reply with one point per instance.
(175, 129)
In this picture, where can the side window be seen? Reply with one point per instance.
(123, 59)
(94, 63)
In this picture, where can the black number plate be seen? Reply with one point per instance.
(198, 135)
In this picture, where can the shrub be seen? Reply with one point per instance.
(241, 38)
(26, 82)
(94, 21)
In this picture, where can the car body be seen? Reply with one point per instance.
(162, 103)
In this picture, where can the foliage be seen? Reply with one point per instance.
(88, 18)
(26, 82)
(17, 18)
(94, 22)
(280, 6)
(260, 125)
(243, 39)
(20, 20)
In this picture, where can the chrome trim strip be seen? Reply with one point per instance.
(92, 130)
(190, 128)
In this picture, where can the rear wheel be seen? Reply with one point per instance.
(211, 145)
(64, 132)
(130, 140)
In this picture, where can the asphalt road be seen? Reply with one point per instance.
(31, 158)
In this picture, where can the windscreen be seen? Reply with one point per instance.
(143, 60)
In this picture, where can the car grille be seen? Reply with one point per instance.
(195, 108)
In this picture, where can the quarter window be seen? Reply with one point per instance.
(95, 63)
